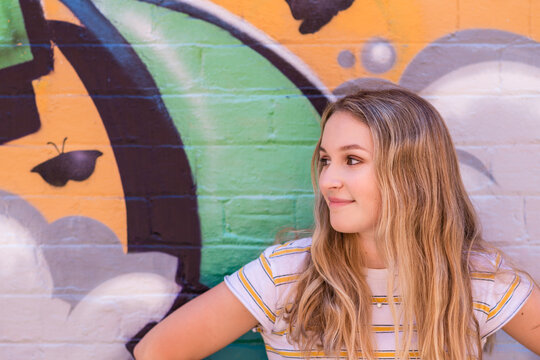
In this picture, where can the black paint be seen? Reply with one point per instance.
(19, 116)
(74, 165)
(147, 147)
(316, 13)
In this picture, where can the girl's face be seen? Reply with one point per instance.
(347, 180)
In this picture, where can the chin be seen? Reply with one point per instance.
(343, 227)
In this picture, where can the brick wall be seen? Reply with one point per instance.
(148, 148)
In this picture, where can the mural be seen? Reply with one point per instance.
(149, 147)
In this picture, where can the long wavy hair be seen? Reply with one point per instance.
(426, 231)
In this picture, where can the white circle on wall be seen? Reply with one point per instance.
(378, 55)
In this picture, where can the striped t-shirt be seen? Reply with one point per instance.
(263, 287)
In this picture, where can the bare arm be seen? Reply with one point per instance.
(525, 325)
(198, 329)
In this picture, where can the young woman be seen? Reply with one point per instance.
(396, 266)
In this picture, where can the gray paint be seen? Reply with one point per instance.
(467, 47)
(82, 253)
(346, 59)
(378, 55)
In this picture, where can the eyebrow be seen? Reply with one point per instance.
(347, 147)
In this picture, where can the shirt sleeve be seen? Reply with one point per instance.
(254, 286)
(507, 294)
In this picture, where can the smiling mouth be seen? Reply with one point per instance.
(340, 203)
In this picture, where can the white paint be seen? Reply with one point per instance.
(23, 268)
(493, 111)
(33, 322)
(381, 53)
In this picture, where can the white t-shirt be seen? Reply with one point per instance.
(263, 286)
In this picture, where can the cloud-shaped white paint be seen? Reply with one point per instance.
(37, 326)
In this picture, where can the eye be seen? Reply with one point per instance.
(353, 161)
(323, 161)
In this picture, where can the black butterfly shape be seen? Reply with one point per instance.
(316, 13)
(74, 165)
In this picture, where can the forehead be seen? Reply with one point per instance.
(343, 128)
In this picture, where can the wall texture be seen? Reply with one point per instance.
(149, 147)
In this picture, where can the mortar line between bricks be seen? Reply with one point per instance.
(282, 44)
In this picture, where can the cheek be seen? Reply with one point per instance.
(368, 197)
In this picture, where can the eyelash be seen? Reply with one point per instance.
(323, 161)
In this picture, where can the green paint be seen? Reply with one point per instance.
(14, 43)
(248, 131)
(242, 349)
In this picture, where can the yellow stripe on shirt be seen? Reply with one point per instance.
(482, 307)
(290, 251)
(343, 354)
(383, 300)
(374, 328)
(279, 280)
(266, 267)
(493, 312)
(482, 276)
(269, 314)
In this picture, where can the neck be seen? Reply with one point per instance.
(370, 253)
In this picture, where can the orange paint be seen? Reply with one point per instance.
(510, 16)
(534, 20)
(55, 10)
(66, 110)
(409, 25)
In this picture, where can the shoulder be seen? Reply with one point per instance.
(262, 284)
(294, 248)
(498, 289)
(488, 261)
(286, 261)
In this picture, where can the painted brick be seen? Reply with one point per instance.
(502, 218)
(249, 346)
(240, 352)
(293, 119)
(248, 133)
(304, 212)
(517, 168)
(258, 218)
(180, 68)
(212, 217)
(509, 15)
(220, 121)
(532, 214)
(525, 257)
(477, 175)
(489, 120)
(534, 20)
(226, 258)
(222, 72)
(45, 351)
(259, 167)
(36, 311)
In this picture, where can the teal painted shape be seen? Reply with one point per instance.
(14, 44)
(248, 346)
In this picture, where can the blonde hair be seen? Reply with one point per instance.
(426, 232)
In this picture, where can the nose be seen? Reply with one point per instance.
(330, 178)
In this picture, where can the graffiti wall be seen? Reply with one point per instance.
(148, 147)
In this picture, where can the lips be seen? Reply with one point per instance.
(337, 202)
